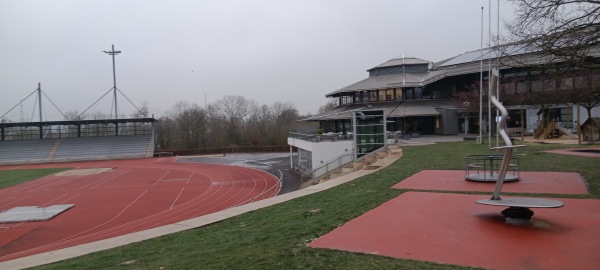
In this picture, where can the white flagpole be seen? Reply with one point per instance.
(481, 84)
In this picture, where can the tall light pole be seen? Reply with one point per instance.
(113, 53)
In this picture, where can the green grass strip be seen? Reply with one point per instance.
(14, 177)
(276, 237)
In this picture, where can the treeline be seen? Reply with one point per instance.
(229, 122)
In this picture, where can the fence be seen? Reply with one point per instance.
(241, 149)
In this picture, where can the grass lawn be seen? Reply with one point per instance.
(15, 177)
(276, 237)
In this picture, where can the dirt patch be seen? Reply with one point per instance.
(88, 171)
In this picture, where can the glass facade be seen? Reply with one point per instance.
(369, 130)
(304, 160)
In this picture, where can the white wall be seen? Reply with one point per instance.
(326, 151)
(323, 151)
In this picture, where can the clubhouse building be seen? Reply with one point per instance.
(420, 97)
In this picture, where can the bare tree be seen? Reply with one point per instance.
(142, 112)
(232, 120)
(563, 31)
(234, 110)
(165, 130)
(586, 91)
(72, 115)
(331, 103)
(259, 125)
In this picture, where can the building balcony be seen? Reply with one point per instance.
(328, 137)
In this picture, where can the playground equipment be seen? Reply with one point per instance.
(518, 208)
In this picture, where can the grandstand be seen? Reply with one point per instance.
(55, 141)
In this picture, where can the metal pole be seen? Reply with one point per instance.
(113, 53)
(40, 99)
(498, 61)
(481, 84)
(489, 73)
(578, 123)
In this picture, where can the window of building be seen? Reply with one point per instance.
(508, 87)
(408, 94)
(418, 93)
(566, 117)
(398, 94)
(365, 96)
(550, 85)
(381, 95)
(537, 86)
(522, 87)
(345, 100)
(373, 95)
(389, 94)
(595, 81)
(566, 83)
(579, 82)
(426, 93)
(304, 160)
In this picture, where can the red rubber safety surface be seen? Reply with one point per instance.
(135, 195)
(453, 229)
(591, 152)
(529, 182)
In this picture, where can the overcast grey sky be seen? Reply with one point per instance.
(267, 51)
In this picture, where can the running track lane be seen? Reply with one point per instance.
(135, 195)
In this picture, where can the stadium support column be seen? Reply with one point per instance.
(40, 99)
(39, 90)
(113, 53)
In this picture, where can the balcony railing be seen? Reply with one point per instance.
(329, 137)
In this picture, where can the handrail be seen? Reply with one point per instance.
(372, 153)
(339, 160)
(341, 164)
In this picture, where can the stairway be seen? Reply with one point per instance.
(380, 159)
(52, 151)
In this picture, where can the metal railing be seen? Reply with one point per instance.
(333, 166)
(326, 168)
(332, 137)
(372, 153)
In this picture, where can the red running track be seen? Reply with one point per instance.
(135, 195)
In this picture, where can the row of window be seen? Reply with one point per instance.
(547, 85)
(392, 94)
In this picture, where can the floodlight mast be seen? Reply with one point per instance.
(113, 53)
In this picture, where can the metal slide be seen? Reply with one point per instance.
(561, 127)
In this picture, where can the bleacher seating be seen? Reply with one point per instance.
(24, 151)
(82, 148)
(102, 147)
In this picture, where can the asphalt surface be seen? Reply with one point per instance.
(277, 164)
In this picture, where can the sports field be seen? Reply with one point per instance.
(117, 197)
